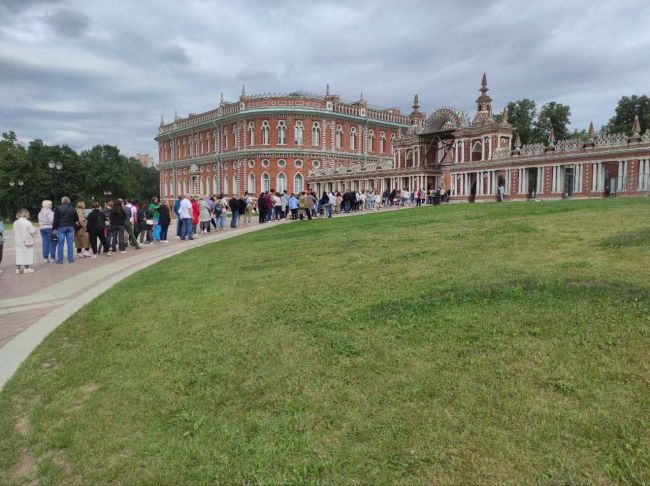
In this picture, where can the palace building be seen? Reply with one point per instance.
(273, 141)
(299, 140)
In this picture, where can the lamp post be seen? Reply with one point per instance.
(107, 194)
(55, 167)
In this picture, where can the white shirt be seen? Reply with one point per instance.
(185, 209)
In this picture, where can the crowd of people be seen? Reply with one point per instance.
(104, 229)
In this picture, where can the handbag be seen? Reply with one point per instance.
(28, 240)
(149, 222)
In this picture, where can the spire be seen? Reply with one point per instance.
(551, 140)
(327, 90)
(590, 132)
(483, 103)
(504, 115)
(221, 102)
(636, 128)
(416, 104)
(243, 90)
(175, 115)
(517, 149)
(361, 96)
(162, 120)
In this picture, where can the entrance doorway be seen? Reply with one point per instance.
(532, 183)
(569, 173)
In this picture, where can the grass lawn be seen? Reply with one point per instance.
(460, 344)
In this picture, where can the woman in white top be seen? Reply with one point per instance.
(45, 220)
(24, 233)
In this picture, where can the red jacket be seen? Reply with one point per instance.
(195, 212)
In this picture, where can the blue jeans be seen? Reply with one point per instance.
(221, 220)
(49, 248)
(233, 219)
(66, 233)
(179, 226)
(186, 230)
(347, 206)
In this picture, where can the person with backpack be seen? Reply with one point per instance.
(220, 212)
(145, 225)
(65, 222)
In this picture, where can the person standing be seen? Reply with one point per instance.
(96, 226)
(185, 214)
(45, 220)
(24, 233)
(2, 239)
(130, 212)
(81, 239)
(248, 201)
(153, 209)
(204, 216)
(145, 225)
(117, 222)
(234, 210)
(220, 208)
(195, 215)
(65, 222)
(164, 220)
(179, 221)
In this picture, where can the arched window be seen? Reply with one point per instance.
(297, 133)
(477, 151)
(339, 136)
(281, 183)
(382, 142)
(226, 186)
(225, 139)
(353, 138)
(282, 133)
(251, 183)
(234, 136)
(298, 183)
(392, 142)
(315, 134)
(371, 141)
(216, 184)
(235, 184)
(409, 158)
(266, 182)
(265, 132)
(251, 134)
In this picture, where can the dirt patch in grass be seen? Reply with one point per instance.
(25, 469)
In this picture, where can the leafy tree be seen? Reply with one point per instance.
(552, 116)
(627, 107)
(521, 115)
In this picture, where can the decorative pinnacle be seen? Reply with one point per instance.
(361, 96)
(504, 115)
(243, 90)
(518, 141)
(221, 98)
(551, 138)
(327, 90)
(590, 132)
(416, 103)
(162, 120)
(484, 81)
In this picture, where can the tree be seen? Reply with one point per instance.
(521, 115)
(552, 116)
(627, 107)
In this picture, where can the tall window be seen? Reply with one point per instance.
(234, 136)
(266, 182)
(235, 183)
(315, 134)
(371, 141)
(225, 139)
(382, 142)
(251, 134)
(298, 183)
(226, 186)
(392, 142)
(251, 183)
(281, 182)
(282, 133)
(353, 138)
(265, 132)
(339, 136)
(297, 133)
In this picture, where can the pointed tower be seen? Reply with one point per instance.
(590, 136)
(504, 115)
(483, 104)
(221, 102)
(327, 90)
(162, 121)
(636, 129)
(551, 140)
(517, 149)
(417, 117)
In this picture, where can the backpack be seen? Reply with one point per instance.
(218, 209)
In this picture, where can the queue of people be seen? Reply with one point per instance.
(104, 229)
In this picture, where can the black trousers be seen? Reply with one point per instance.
(94, 236)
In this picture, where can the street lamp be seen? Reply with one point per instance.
(16, 186)
(107, 194)
(55, 167)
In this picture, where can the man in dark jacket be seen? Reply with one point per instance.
(177, 206)
(96, 225)
(233, 204)
(65, 222)
(164, 220)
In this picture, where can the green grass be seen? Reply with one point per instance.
(458, 344)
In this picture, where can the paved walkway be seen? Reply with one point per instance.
(33, 305)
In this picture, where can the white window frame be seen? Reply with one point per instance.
(266, 133)
(298, 133)
(282, 132)
(315, 134)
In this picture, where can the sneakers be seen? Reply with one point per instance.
(164, 241)
(94, 256)
(29, 270)
(87, 253)
(18, 271)
(122, 251)
(110, 253)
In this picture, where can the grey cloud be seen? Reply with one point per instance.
(68, 23)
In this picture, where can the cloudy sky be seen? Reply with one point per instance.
(103, 71)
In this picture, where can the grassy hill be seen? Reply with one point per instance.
(457, 344)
